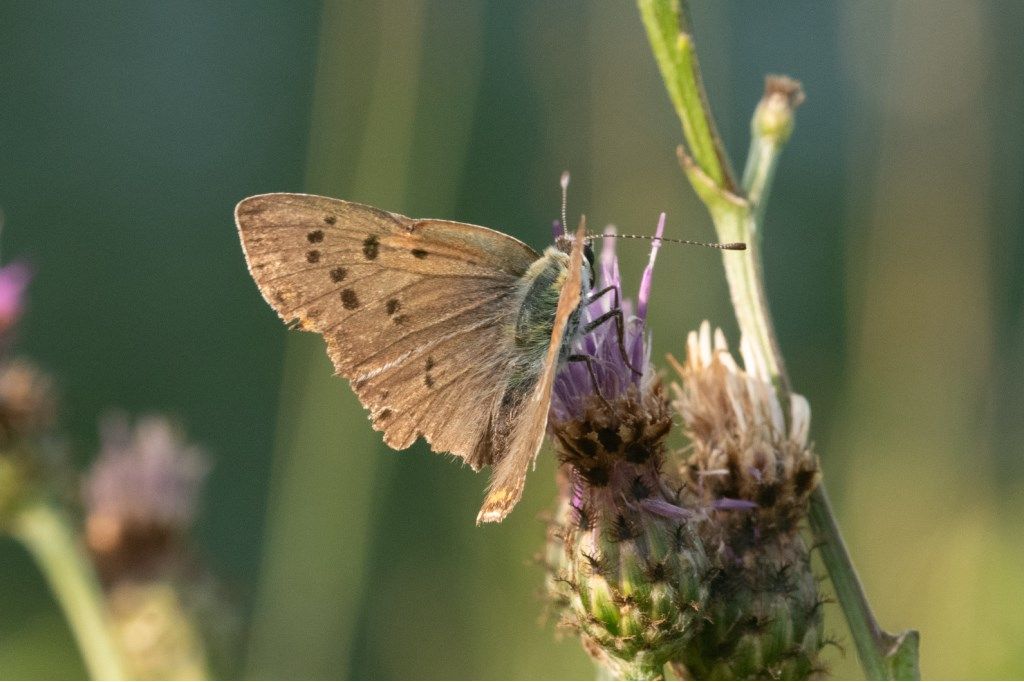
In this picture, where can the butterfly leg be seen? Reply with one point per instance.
(593, 296)
(614, 314)
(589, 362)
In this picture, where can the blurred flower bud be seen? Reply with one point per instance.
(28, 406)
(27, 413)
(775, 113)
(156, 632)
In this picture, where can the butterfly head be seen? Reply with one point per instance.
(564, 242)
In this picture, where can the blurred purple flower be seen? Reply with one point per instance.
(14, 279)
(145, 482)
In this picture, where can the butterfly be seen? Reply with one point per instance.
(447, 331)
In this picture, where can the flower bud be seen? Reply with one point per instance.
(774, 116)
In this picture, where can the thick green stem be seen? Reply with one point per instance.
(47, 534)
(883, 656)
(737, 215)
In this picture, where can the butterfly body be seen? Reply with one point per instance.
(542, 286)
(446, 331)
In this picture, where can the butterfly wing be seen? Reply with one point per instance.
(417, 314)
(527, 435)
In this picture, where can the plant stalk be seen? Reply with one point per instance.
(737, 215)
(867, 635)
(46, 533)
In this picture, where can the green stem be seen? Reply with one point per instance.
(737, 215)
(667, 27)
(867, 635)
(48, 536)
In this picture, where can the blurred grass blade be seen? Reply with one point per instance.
(327, 458)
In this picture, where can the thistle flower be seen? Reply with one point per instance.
(626, 568)
(141, 493)
(141, 498)
(764, 618)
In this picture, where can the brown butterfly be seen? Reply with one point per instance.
(447, 331)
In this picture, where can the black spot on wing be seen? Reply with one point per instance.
(313, 256)
(315, 237)
(349, 300)
(419, 253)
(330, 220)
(427, 379)
(338, 274)
(392, 306)
(371, 247)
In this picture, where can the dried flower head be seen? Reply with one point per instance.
(27, 413)
(141, 494)
(28, 404)
(754, 476)
(742, 448)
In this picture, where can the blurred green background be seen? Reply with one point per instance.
(128, 131)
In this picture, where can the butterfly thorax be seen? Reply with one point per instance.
(541, 286)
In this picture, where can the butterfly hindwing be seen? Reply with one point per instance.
(416, 313)
(525, 438)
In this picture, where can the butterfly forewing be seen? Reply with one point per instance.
(416, 313)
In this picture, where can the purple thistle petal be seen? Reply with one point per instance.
(645, 281)
(666, 509)
(730, 503)
(609, 263)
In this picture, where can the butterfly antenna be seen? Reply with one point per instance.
(729, 246)
(564, 182)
